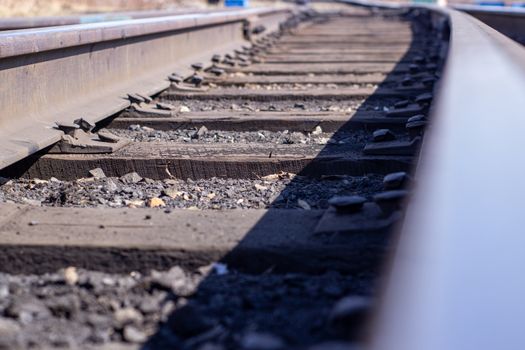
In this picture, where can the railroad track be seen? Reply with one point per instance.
(264, 181)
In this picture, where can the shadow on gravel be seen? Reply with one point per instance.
(282, 295)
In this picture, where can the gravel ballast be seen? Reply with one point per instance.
(274, 191)
(211, 308)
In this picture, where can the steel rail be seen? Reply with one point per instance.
(508, 20)
(456, 280)
(14, 23)
(60, 74)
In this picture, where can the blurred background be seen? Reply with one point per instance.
(17, 8)
(28, 8)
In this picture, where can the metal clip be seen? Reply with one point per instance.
(78, 139)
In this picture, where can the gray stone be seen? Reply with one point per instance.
(4, 291)
(149, 306)
(111, 186)
(131, 178)
(65, 306)
(97, 173)
(175, 280)
(27, 309)
(8, 328)
(132, 334)
(127, 316)
(98, 321)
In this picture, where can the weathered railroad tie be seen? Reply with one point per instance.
(286, 160)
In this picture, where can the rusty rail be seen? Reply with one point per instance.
(456, 280)
(60, 74)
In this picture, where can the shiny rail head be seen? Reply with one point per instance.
(17, 23)
(23, 42)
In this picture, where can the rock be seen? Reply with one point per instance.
(317, 131)
(132, 334)
(100, 336)
(260, 187)
(149, 181)
(188, 321)
(27, 309)
(202, 131)
(65, 306)
(261, 341)
(97, 173)
(127, 316)
(148, 306)
(34, 202)
(39, 181)
(70, 275)
(15, 288)
(4, 291)
(156, 202)
(110, 186)
(167, 310)
(303, 204)
(174, 280)
(172, 192)
(134, 203)
(323, 141)
(220, 269)
(297, 137)
(279, 176)
(184, 109)
(98, 321)
(9, 331)
(131, 178)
